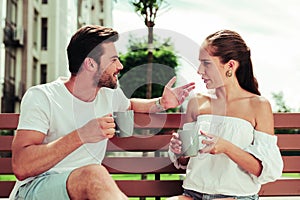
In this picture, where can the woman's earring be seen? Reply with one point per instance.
(228, 73)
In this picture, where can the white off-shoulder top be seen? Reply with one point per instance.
(218, 174)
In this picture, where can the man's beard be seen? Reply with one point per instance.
(102, 79)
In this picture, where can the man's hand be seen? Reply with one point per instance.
(97, 129)
(173, 97)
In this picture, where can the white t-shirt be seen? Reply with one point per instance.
(51, 109)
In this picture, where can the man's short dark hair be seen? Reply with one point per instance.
(86, 42)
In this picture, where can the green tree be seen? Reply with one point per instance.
(133, 79)
(281, 107)
(148, 10)
(280, 103)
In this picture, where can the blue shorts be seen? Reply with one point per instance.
(45, 186)
(202, 196)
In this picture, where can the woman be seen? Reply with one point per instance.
(241, 151)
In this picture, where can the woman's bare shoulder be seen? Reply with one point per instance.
(198, 100)
(263, 114)
(259, 103)
(194, 104)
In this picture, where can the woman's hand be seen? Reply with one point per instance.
(214, 144)
(175, 144)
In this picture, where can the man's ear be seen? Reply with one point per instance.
(89, 64)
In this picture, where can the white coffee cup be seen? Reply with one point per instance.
(124, 123)
(190, 142)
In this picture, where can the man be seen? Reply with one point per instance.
(64, 125)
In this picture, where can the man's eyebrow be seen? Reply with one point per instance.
(115, 57)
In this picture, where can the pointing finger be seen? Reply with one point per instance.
(189, 86)
(171, 82)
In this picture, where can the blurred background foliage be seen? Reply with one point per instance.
(281, 107)
(133, 76)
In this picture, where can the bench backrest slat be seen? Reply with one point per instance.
(5, 143)
(289, 141)
(6, 187)
(9, 121)
(287, 120)
(285, 142)
(281, 120)
(154, 165)
(140, 143)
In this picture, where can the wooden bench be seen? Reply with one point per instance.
(158, 163)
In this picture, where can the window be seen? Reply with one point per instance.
(43, 73)
(44, 34)
(102, 6)
(44, 1)
(14, 13)
(34, 71)
(12, 64)
(35, 29)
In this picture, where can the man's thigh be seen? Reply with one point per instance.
(46, 186)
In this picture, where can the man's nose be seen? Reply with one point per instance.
(119, 65)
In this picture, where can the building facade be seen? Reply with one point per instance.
(94, 12)
(35, 36)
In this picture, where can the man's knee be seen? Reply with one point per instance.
(89, 180)
(90, 174)
(94, 173)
